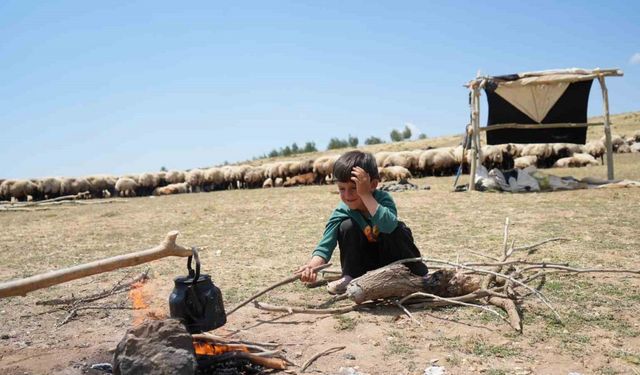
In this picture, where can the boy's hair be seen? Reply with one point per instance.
(346, 162)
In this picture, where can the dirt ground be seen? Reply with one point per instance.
(253, 238)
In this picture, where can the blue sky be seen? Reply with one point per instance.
(127, 87)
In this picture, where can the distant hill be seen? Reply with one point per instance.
(622, 124)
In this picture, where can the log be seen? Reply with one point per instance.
(21, 287)
(398, 281)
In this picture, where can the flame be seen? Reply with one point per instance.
(141, 311)
(208, 348)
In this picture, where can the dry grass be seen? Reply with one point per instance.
(254, 238)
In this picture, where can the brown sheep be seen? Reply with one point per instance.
(178, 188)
(394, 173)
(301, 179)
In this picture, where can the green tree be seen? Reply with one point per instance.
(335, 143)
(274, 153)
(395, 136)
(163, 169)
(294, 148)
(406, 133)
(310, 147)
(353, 141)
(373, 141)
(286, 151)
(422, 136)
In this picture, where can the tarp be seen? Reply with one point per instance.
(548, 103)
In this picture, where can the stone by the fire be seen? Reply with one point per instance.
(159, 347)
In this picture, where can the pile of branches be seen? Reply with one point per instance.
(504, 282)
(74, 304)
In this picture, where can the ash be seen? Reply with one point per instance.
(209, 365)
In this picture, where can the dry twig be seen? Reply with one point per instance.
(320, 354)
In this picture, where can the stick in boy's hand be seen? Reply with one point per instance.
(289, 279)
(309, 271)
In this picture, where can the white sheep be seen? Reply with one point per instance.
(577, 160)
(51, 187)
(174, 177)
(74, 186)
(195, 179)
(213, 178)
(525, 161)
(268, 183)
(126, 187)
(381, 156)
(147, 182)
(100, 184)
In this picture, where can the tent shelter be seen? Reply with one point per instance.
(537, 107)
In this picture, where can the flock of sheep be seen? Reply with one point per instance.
(397, 165)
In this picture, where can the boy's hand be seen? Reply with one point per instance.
(362, 180)
(307, 274)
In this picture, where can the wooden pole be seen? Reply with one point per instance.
(474, 151)
(538, 126)
(607, 126)
(21, 287)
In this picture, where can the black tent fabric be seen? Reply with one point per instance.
(571, 107)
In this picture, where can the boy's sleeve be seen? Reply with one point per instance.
(386, 216)
(329, 239)
(328, 242)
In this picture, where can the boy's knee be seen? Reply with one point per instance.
(348, 226)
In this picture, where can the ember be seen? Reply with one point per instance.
(208, 348)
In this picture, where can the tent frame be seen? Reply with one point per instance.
(572, 75)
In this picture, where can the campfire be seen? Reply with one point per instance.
(181, 343)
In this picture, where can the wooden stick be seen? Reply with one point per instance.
(302, 310)
(320, 354)
(453, 301)
(21, 287)
(404, 309)
(579, 270)
(538, 126)
(287, 280)
(607, 127)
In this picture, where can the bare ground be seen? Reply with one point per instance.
(255, 238)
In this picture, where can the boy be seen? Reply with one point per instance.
(365, 226)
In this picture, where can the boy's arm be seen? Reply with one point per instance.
(324, 250)
(383, 213)
(386, 216)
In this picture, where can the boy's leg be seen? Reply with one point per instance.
(357, 255)
(399, 245)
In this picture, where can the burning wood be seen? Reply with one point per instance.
(208, 348)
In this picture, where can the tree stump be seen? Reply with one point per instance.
(398, 281)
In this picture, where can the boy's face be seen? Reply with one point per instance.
(349, 195)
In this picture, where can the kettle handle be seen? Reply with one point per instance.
(195, 275)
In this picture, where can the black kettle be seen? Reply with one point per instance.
(196, 301)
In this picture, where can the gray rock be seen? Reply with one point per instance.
(160, 347)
